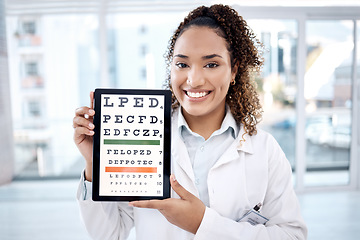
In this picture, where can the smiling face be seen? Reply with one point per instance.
(201, 72)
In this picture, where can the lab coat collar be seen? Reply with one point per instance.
(244, 142)
(241, 145)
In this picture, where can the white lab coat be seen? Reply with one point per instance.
(248, 173)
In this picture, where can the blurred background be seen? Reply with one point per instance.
(52, 53)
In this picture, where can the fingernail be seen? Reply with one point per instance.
(173, 178)
(91, 125)
(91, 132)
(91, 111)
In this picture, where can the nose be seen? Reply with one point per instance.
(196, 77)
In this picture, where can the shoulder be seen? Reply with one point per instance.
(263, 137)
(264, 144)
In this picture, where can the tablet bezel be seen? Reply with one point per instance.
(96, 143)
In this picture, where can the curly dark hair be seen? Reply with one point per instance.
(242, 97)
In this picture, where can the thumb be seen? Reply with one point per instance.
(92, 100)
(182, 192)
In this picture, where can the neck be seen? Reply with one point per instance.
(205, 125)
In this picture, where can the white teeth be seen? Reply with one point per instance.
(196, 94)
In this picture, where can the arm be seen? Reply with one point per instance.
(83, 134)
(103, 220)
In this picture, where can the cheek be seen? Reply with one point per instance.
(173, 81)
(175, 84)
(176, 79)
(224, 81)
(225, 89)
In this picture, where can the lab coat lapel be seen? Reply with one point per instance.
(237, 151)
(241, 144)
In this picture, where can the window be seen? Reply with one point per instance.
(29, 27)
(143, 29)
(30, 72)
(278, 83)
(34, 108)
(68, 58)
(328, 96)
(143, 73)
(143, 50)
(31, 69)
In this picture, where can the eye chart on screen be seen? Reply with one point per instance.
(131, 155)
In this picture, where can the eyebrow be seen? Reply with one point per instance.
(204, 57)
(211, 56)
(180, 56)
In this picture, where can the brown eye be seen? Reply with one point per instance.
(211, 65)
(181, 65)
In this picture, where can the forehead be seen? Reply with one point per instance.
(200, 40)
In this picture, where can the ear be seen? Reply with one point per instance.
(234, 70)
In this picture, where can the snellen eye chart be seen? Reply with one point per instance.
(131, 153)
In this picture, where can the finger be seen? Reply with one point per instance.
(83, 111)
(80, 131)
(82, 122)
(153, 204)
(182, 192)
(92, 100)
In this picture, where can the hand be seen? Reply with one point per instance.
(83, 134)
(186, 212)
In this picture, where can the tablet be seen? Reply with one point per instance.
(131, 150)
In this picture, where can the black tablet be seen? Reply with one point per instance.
(131, 152)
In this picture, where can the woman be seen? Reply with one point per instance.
(223, 164)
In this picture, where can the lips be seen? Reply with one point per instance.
(199, 94)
